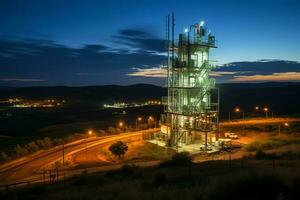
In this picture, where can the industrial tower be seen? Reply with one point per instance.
(192, 104)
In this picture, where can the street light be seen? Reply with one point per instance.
(279, 127)
(90, 133)
(121, 125)
(137, 120)
(266, 111)
(151, 120)
(256, 108)
(237, 110)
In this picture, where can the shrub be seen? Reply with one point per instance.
(4, 157)
(57, 141)
(45, 143)
(111, 130)
(20, 151)
(118, 149)
(179, 159)
(32, 147)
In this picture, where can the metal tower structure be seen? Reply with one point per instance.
(191, 114)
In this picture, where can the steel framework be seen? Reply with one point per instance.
(190, 111)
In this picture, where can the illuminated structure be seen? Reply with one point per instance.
(192, 104)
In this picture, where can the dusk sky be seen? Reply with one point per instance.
(74, 43)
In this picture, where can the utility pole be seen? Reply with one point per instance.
(63, 153)
(230, 156)
(86, 148)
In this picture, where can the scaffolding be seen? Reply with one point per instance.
(192, 105)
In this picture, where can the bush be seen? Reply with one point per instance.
(118, 149)
(270, 143)
(32, 147)
(112, 130)
(20, 151)
(179, 159)
(57, 141)
(4, 157)
(45, 143)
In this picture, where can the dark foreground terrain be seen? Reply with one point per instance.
(260, 177)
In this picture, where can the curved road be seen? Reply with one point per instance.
(25, 169)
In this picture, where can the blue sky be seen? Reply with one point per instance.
(54, 42)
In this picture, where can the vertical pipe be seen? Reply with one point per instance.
(168, 68)
(173, 41)
(168, 81)
(218, 114)
(174, 122)
(188, 48)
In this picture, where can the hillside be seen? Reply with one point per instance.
(244, 95)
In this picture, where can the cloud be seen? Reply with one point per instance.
(141, 40)
(58, 64)
(264, 69)
(22, 79)
(154, 72)
(132, 32)
(263, 66)
(221, 73)
(284, 76)
(161, 72)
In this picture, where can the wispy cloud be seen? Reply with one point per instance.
(22, 79)
(221, 73)
(154, 72)
(284, 76)
(161, 72)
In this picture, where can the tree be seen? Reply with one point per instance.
(32, 147)
(45, 143)
(4, 157)
(118, 149)
(20, 151)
